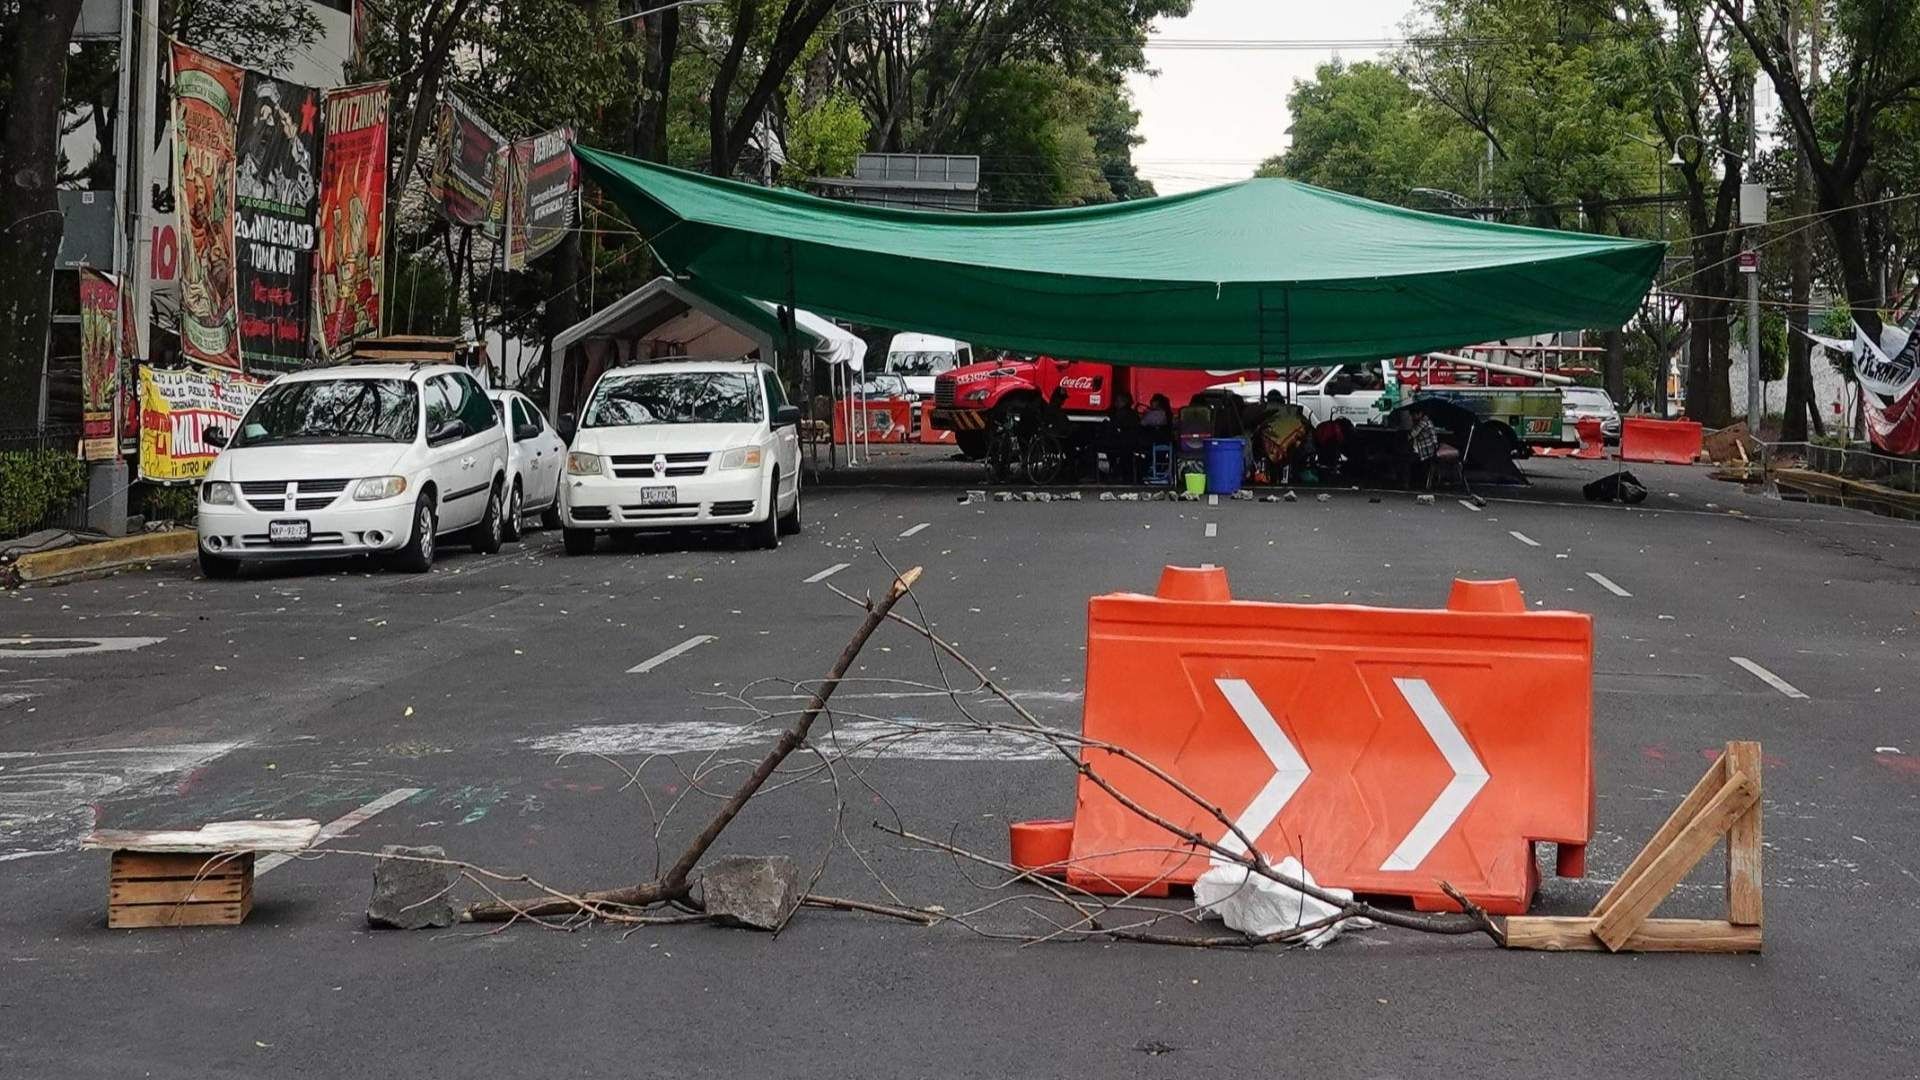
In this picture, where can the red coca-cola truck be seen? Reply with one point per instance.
(974, 400)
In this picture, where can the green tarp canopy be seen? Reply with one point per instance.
(1262, 271)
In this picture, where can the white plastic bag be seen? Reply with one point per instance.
(1257, 905)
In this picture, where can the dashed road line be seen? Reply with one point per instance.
(1523, 538)
(340, 825)
(915, 529)
(1606, 583)
(655, 661)
(1213, 529)
(827, 573)
(1469, 506)
(1769, 678)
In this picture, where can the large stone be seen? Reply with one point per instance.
(408, 894)
(755, 891)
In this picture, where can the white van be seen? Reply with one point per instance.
(698, 444)
(360, 459)
(919, 358)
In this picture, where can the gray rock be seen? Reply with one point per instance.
(1043, 496)
(758, 892)
(1243, 495)
(1188, 496)
(1324, 497)
(1289, 496)
(410, 895)
(1107, 496)
(1003, 496)
(1270, 498)
(1129, 496)
(1071, 496)
(1423, 500)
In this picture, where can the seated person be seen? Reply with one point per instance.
(1159, 414)
(1282, 433)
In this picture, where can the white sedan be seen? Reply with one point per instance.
(534, 460)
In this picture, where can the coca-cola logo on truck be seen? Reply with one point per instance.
(1077, 382)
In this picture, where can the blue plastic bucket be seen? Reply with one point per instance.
(1226, 465)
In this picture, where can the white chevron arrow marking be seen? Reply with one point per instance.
(1289, 768)
(1469, 776)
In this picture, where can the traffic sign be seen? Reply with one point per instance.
(1749, 262)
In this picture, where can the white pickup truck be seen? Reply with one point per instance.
(1364, 393)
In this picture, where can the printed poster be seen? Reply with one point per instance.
(176, 409)
(99, 365)
(350, 262)
(206, 97)
(1889, 375)
(278, 187)
(466, 164)
(543, 196)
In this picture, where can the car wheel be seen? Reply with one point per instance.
(790, 521)
(417, 556)
(577, 541)
(218, 567)
(766, 534)
(487, 536)
(972, 444)
(550, 517)
(510, 526)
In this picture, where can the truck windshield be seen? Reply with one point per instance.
(919, 363)
(333, 410)
(682, 397)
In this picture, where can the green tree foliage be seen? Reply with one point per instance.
(35, 483)
(1364, 130)
(824, 138)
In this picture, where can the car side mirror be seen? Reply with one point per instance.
(525, 432)
(215, 435)
(567, 427)
(446, 431)
(786, 416)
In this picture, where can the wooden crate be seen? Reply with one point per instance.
(167, 888)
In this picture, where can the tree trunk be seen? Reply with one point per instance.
(649, 142)
(1800, 406)
(721, 155)
(1616, 364)
(34, 54)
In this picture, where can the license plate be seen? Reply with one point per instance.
(289, 532)
(659, 496)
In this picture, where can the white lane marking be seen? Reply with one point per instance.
(1469, 506)
(915, 529)
(1523, 538)
(656, 660)
(1213, 529)
(894, 695)
(341, 825)
(903, 738)
(1469, 776)
(1290, 770)
(1769, 678)
(29, 648)
(1606, 583)
(827, 573)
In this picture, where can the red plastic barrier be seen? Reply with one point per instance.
(1391, 749)
(930, 434)
(1672, 442)
(1593, 438)
(880, 420)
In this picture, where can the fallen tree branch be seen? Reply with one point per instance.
(674, 885)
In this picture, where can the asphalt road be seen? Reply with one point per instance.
(468, 705)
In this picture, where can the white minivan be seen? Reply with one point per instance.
(359, 459)
(920, 358)
(686, 444)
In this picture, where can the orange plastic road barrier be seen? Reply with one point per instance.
(1593, 439)
(882, 420)
(1389, 749)
(931, 434)
(1673, 442)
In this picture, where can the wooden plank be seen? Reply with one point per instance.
(140, 865)
(132, 916)
(1743, 840)
(1689, 808)
(1670, 864)
(177, 890)
(1654, 935)
(294, 835)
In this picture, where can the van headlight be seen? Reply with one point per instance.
(580, 463)
(741, 457)
(379, 487)
(216, 493)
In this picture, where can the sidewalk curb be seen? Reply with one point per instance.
(49, 567)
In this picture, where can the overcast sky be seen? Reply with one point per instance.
(1212, 115)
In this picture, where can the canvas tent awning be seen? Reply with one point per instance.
(681, 317)
(1263, 271)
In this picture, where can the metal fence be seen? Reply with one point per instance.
(1857, 461)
